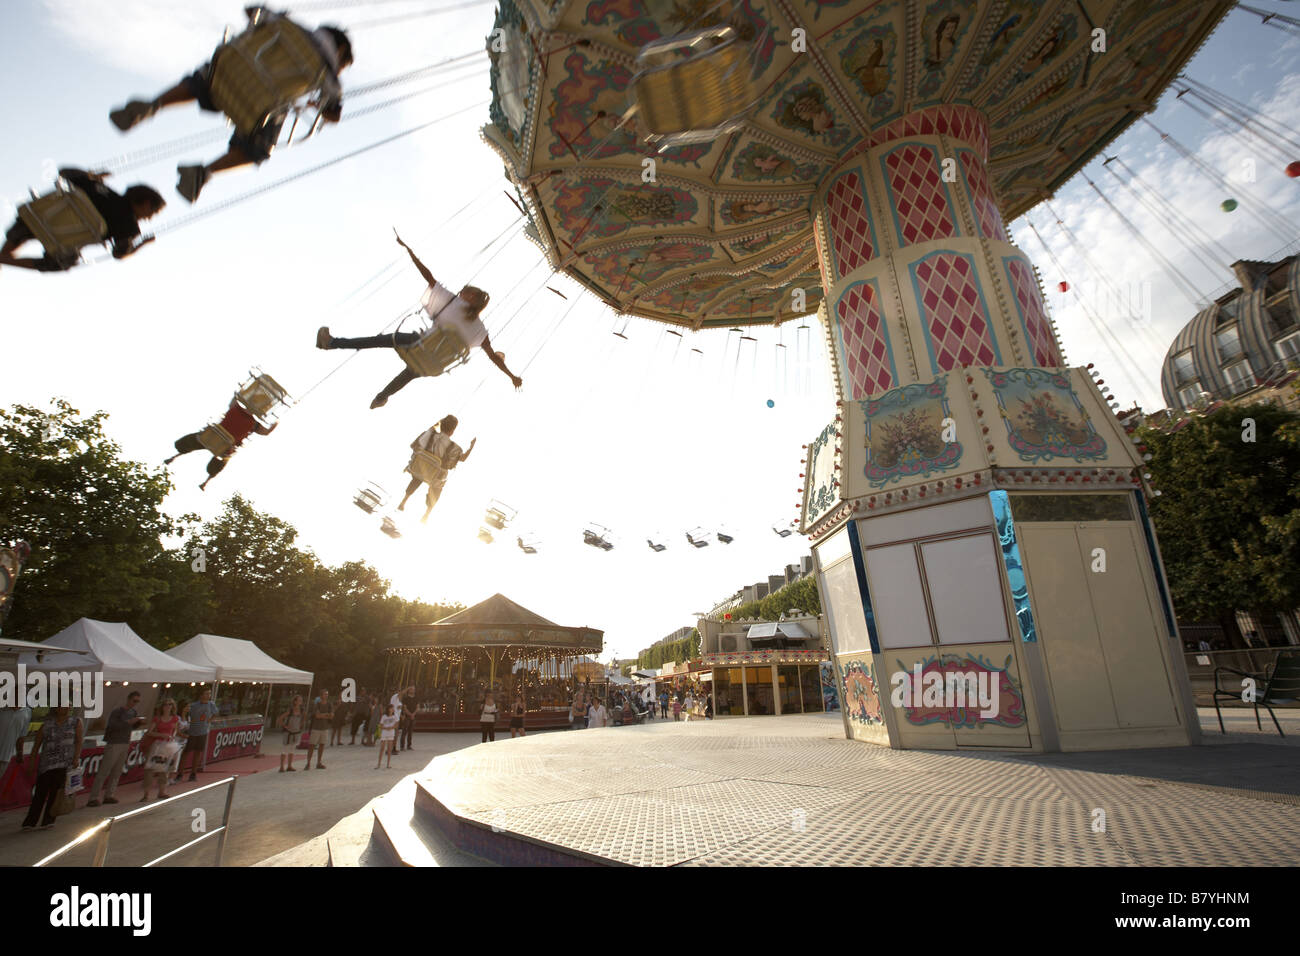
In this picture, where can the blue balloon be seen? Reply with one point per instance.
(771, 404)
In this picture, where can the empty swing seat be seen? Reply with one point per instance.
(389, 528)
(436, 352)
(368, 500)
(217, 440)
(264, 71)
(697, 97)
(63, 222)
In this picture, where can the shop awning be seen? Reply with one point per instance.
(237, 660)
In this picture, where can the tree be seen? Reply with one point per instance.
(1228, 516)
(94, 520)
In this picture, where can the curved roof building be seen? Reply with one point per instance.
(1245, 340)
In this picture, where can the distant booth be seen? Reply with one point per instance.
(496, 645)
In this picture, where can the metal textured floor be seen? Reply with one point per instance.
(793, 791)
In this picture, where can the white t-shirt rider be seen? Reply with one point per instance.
(436, 443)
(451, 313)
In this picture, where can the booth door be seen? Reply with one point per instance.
(1100, 631)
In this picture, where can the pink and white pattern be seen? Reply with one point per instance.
(987, 215)
(868, 366)
(948, 289)
(850, 223)
(918, 194)
(1042, 344)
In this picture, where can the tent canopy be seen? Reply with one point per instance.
(121, 653)
(237, 660)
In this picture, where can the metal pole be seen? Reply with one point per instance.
(225, 820)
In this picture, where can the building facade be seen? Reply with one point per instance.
(1246, 345)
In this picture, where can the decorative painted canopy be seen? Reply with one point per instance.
(723, 232)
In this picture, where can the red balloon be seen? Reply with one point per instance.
(1293, 169)
(1063, 286)
(727, 616)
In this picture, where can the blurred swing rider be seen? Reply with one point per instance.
(238, 424)
(455, 321)
(122, 214)
(253, 139)
(437, 442)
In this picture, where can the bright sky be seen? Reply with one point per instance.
(641, 435)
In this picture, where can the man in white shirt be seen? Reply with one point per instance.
(437, 442)
(596, 714)
(455, 317)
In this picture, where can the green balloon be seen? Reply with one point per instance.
(1228, 205)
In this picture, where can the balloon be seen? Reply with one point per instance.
(771, 404)
(1228, 205)
(1293, 169)
(1063, 286)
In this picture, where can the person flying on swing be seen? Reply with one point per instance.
(255, 95)
(456, 329)
(238, 424)
(436, 442)
(121, 214)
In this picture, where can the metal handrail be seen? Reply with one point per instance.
(104, 828)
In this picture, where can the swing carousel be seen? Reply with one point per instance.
(495, 646)
(722, 165)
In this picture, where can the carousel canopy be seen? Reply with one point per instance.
(497, 622)
(722, 229)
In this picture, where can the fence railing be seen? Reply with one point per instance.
(104, 828)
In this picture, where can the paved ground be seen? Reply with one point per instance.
(793, 791)
(738, 791)
(273, 811)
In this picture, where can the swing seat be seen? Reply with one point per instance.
(436, 352)
(261, 395)
(428, 467)
(264, 71)
(217, 440)
(725, 538)
(63, 222)
(368, 501)
(693, 98)
(390, 529)
(495, 519)
(485, 535)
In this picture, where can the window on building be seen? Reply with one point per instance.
(787, 678)
(1279, 317)
(1189, 395)
(810, 681)
(758, 685)
(728, 692)
(1229, 311)
(1277, 279)
(1228, 343)
(1289, 347)
(1184, 367)
(1239, 377)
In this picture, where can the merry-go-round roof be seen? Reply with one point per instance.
(725, 228)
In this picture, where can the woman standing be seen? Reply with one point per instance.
(291, 723)
(387, 735)
(182, 735)
(58, 743)
(487, 718)
(161, 731)
(517, 717)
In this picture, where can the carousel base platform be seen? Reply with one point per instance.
(792, 791)
(468, 723)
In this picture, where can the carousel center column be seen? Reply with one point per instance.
(952, 625)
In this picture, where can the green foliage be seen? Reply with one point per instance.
(97, 531)
(95, 522)
(801, 595)
(1228, 517)
(680, 651)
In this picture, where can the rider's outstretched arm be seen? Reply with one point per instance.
(424, 271)
(500, 363)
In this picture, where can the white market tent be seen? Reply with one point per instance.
(235, 660)
(118, 651)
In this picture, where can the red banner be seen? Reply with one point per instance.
(237, 740)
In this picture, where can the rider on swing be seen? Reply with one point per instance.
(238, 424)
(246, 146)
(437, 442)
(455, 316)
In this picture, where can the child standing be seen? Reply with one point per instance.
(387, 735)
